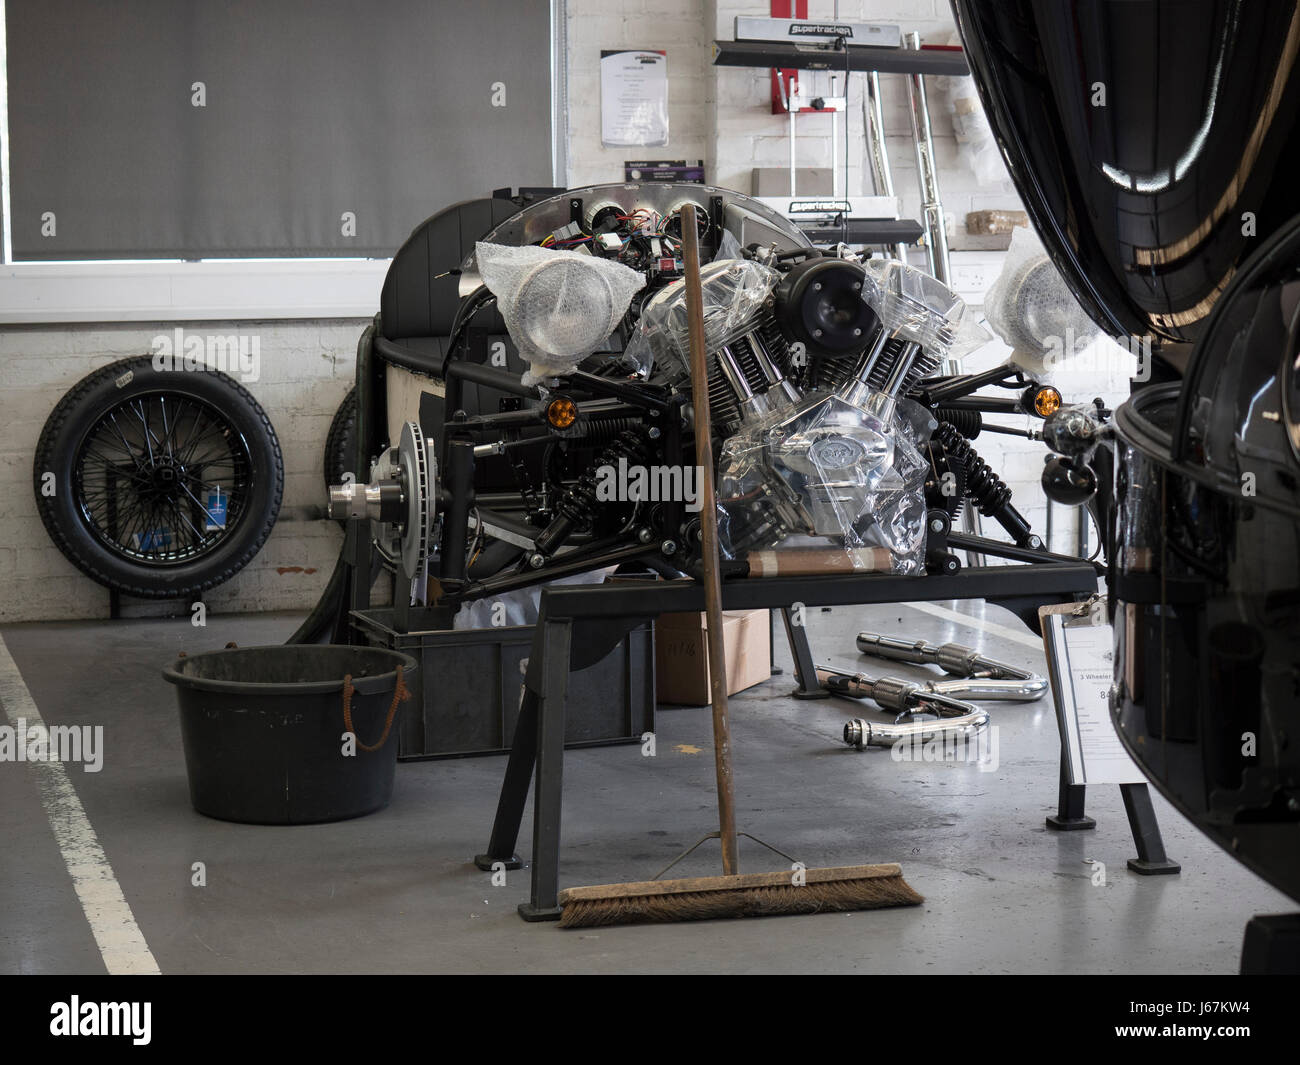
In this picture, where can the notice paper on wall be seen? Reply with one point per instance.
(1081, 659)
(633, 99)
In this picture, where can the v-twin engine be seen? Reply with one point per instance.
(806, 387)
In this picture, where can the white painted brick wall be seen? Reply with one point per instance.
(306, 367)
(676, 26)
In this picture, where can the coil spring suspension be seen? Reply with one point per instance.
(984, 488)
(577, 506)
(606, 429)
(967, 422)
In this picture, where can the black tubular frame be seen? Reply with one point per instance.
(456, 494)
(456, 461)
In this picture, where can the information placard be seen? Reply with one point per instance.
(633, 99)
(1080, 658)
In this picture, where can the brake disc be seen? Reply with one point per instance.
(417, 472)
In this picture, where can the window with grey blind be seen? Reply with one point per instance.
(185, 129)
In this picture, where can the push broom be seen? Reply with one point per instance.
(797, 890)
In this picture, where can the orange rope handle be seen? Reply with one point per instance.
(400, 694)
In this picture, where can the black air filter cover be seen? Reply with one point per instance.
(819, 302)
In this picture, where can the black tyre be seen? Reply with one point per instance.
(158, 483)
(341, 443)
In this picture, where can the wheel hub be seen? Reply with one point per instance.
(164, 480)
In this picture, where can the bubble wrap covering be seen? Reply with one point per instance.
(829, 468)
(1032, 309)
(734, 291)
(559, 306)
(976, 144)
(920, 308)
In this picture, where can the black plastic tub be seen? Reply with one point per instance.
(264, 731)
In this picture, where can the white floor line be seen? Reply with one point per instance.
(120, 941)
(1015, 635)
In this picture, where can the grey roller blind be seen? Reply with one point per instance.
(312, 110)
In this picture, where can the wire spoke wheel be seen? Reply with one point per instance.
(158, 483)
(163, 478)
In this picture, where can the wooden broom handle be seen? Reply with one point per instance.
(709, 553)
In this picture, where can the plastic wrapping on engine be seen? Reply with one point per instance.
(827, 475)
(915, 306)
(734, 291)
(559, 306)
(843, 472)
(638, 356)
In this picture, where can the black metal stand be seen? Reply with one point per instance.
(771, 645)
(805, 670)
(579, 624)
(1151, 859)
(1069, 817)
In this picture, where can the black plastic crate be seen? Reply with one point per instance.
(473, 679)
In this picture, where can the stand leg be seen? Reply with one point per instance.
(771, 644)
(1069, 816)
(358, 547)
(1151, 859)
(514, 789)
(805, 670)
(548, 787)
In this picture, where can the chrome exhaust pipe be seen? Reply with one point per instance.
(985, 678)
(1010, 689)
(950, 718)
(861, 733)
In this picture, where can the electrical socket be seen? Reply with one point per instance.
(973, 278)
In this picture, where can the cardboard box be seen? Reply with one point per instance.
(682, 657)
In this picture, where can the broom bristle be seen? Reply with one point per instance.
(724, 897)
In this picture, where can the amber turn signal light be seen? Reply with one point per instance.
(1047, 401)
(561, 412)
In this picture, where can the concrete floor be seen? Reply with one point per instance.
(395, 891)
